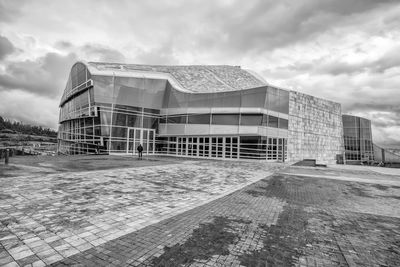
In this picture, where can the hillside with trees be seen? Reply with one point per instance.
(8, 126)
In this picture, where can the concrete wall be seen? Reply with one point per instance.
(315, 129)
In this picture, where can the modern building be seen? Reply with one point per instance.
(386, 157)
(357, 140)
(195, 111)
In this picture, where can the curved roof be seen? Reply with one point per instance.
(191, 78)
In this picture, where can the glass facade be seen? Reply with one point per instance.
(228, 147)
(113, 114)
(109, 131)
(357, 139)
(266, 97)
(227, 119)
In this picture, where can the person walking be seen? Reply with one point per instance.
(140, 151)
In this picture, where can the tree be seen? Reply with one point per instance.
(26, 128)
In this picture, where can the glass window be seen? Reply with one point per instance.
(283, 123)
(119, 119)
(119, 132)
(103, 89)
(199, 118)
(91, 95)
(251, 119)
(250, 147)
(265, 120)
(226, 99)
(177, 99)
(254, 97)
(225, 119)
(350, 132)
(151, 111)
(149, 122)
(134, 121)
(365, 123)
(272, 121)
(199, 100)
(176, 119)
(105, 118)
(283, 101)
(273, 102)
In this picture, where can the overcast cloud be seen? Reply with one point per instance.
(345, 51)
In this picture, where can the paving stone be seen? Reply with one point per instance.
(38, 263)
(11, 264)
(28, 260)
(164, 205)
(5, 259)
(77, 205)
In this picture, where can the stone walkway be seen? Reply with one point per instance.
(202, 213)
(46, 218)
(282, 220)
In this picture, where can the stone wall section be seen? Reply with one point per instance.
(315, 129)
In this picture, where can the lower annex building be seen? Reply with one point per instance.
(198, 111)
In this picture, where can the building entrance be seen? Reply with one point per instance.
(137, 136)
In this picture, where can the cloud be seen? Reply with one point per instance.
(44, 76)
(6, 47)
(261, 25)
(158, 56)
(10, 9)
(91, 51)
(47, 75)
(339, 66)
(102, 53)
(345, 51)
(29, 108)
(63, 45)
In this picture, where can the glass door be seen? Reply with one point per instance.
(137, 140)
(228, 147)
(137, 136)
(220, 147)
(130, 142)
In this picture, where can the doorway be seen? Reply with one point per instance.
(137, 136)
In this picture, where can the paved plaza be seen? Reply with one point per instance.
(163, 211)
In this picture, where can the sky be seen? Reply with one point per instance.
(344, 51)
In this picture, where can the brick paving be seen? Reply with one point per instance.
(291, 218)
(47, 217)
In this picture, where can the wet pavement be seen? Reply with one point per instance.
(179, 212)
(48, 215)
